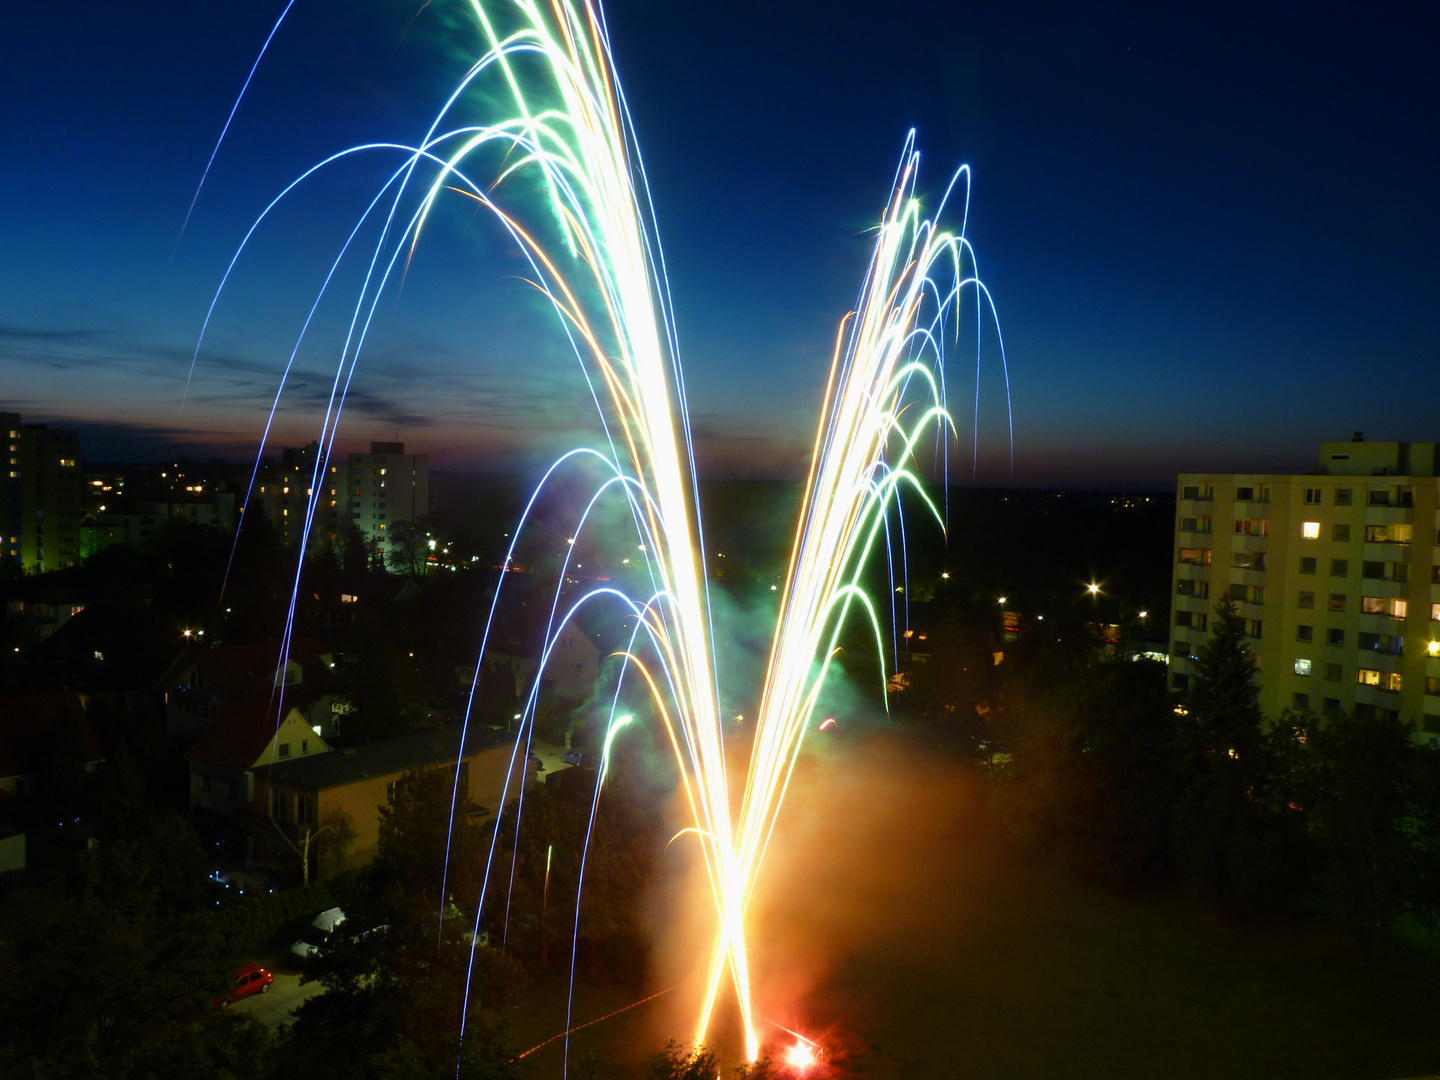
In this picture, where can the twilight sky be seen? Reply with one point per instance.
(1210, 230)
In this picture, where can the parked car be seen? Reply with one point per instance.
(250, 979)
(573, 757)
(317, 933)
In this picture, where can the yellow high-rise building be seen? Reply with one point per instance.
(1336, 574)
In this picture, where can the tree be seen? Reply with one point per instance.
(403, 972)
(1365, 804)
(1236, 834)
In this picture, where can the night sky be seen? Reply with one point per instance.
(1211, 231)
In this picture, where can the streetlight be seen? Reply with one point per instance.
(1093, 589)
(1001, 600)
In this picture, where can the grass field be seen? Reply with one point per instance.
(895, 923)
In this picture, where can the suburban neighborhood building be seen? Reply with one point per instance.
(300, 793)
(1336, 573)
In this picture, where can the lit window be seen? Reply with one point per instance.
(1310, 530)
(1302, 667)
(1367, 676)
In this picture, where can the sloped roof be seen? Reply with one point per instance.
(239, 733)
(240, 672)
(384, 757)
(28, 730)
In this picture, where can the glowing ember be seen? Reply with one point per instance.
(801, 1056)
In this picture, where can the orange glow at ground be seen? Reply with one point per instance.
(801, 1056)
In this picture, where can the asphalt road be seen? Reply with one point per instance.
(278, 1005)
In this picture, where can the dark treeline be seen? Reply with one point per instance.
(1093, 760)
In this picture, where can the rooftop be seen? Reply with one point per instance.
(385, 757)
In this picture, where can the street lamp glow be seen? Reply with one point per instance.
(1144, 614)
(1093, 589)
(1002, 600)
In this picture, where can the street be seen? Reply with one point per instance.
(278, 1005)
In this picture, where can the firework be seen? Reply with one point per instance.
(595, 254)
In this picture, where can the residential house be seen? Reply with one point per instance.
(200, 682)
(38, 732)
(300, 793)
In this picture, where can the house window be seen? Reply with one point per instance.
(1190, 491)
(1188, 524)
(1339, 567)
(1307, 565)
(1244, 494)
(1331, 704)
(302, 809)
(1253, 628)
(283, 749)
(1249, 560)
(1340, 533)
(304, 746)
(1435, 612)
(1304, 633)
(1337, 601)
(1377, 534)
(1190, 587)
(1299, 700)
(1344, 496)
(1367, 676)
(1332, 672)
(1432, 685)
(1199, 556)
(1305, 600)
(1372, 605)
(1335, 637)
(1312, 496)
(1181, 681)
(1252, 526)
(1310, 530)
(1302, 666)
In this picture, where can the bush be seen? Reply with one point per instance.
(260, 922)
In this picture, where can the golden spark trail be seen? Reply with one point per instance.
(594, 253)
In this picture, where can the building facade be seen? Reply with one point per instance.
(1336, 574)
(382, 487)
(42, 495)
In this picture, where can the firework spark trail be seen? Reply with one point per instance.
(571, 129)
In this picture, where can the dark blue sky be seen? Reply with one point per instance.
(1211, 231)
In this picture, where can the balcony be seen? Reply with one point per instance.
(1195, 507)
(1189, 539)
(1249, 542)
(1192, 571)
(1387, 552)
(1373, 695)
(1240, 575)
(1389, 515)
(1252, 509)
(1380, 661)
(1384, 587)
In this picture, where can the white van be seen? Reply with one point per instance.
(317, 933)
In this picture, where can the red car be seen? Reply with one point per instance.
(250, 979)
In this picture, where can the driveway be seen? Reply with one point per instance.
(549, 755)
(278, 1006)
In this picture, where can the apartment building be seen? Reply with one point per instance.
(382, 487)
(41, 515)
(1336, 574)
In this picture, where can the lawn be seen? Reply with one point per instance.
(895, 923)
